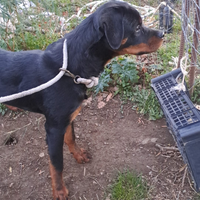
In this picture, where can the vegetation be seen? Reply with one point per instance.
(3, 109)
(195, 97)
(123, 72)
(196, 197)
(170, 48)
(128, 186)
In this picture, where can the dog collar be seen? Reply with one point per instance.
(89, 83)
(69, 74)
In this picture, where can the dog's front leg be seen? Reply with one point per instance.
(55, 139)
(60, 192)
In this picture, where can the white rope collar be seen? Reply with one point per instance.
(93, 81)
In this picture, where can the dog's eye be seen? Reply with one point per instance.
(138, 28)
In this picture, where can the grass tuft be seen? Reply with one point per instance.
(128, 186)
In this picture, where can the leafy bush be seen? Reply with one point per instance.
(28, 41)
(120, 72)
(33, 27)
(125, 75)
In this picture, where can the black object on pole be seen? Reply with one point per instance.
(166, 17)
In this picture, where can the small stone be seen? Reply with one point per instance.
(154, 140)
(41, 155)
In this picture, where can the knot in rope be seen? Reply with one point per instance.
(183, 66)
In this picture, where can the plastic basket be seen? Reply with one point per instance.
(183, 120)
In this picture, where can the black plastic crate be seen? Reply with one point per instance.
(183, 120)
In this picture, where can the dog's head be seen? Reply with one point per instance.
(121, 25)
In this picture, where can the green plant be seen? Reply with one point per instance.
(26, 29)
(146, 103)
(196, 197)
(122, 72)
(167, 51)
(128, 186)
(196, 93)
(125, 69)
(3, 109)
(125, 75)
(28, 41)
(104, 80)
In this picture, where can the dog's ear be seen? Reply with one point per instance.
(112, 24)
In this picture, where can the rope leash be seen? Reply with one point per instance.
(93, 81)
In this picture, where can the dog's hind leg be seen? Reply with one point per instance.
(55, 138)
(79, 154)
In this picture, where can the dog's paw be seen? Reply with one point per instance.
(82, 156)
(62, 198)
(61, 194)
(65, 198)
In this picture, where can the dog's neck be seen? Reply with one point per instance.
(87, 57)
(88, 51)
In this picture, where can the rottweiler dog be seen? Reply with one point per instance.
(114, 29)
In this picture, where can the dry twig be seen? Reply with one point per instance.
(184, 175)
(17, 129)
(96, 182)
(166, 148)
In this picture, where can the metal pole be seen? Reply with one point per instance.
(194, 49)
(185, 22)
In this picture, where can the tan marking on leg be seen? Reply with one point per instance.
(60, 192)
(79, 154)
(74, 114)
(13, 108)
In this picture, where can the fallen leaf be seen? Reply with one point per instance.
(109, 97)
(100, 98)
(101, 104)
(10, 169)
(87, 101)
(104, 95)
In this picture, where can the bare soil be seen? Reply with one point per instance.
(116, 136)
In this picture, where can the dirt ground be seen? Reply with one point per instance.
(117, 138)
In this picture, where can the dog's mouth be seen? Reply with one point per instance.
(141, 53)
(143, 48)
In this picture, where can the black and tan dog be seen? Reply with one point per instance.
(114, 29)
